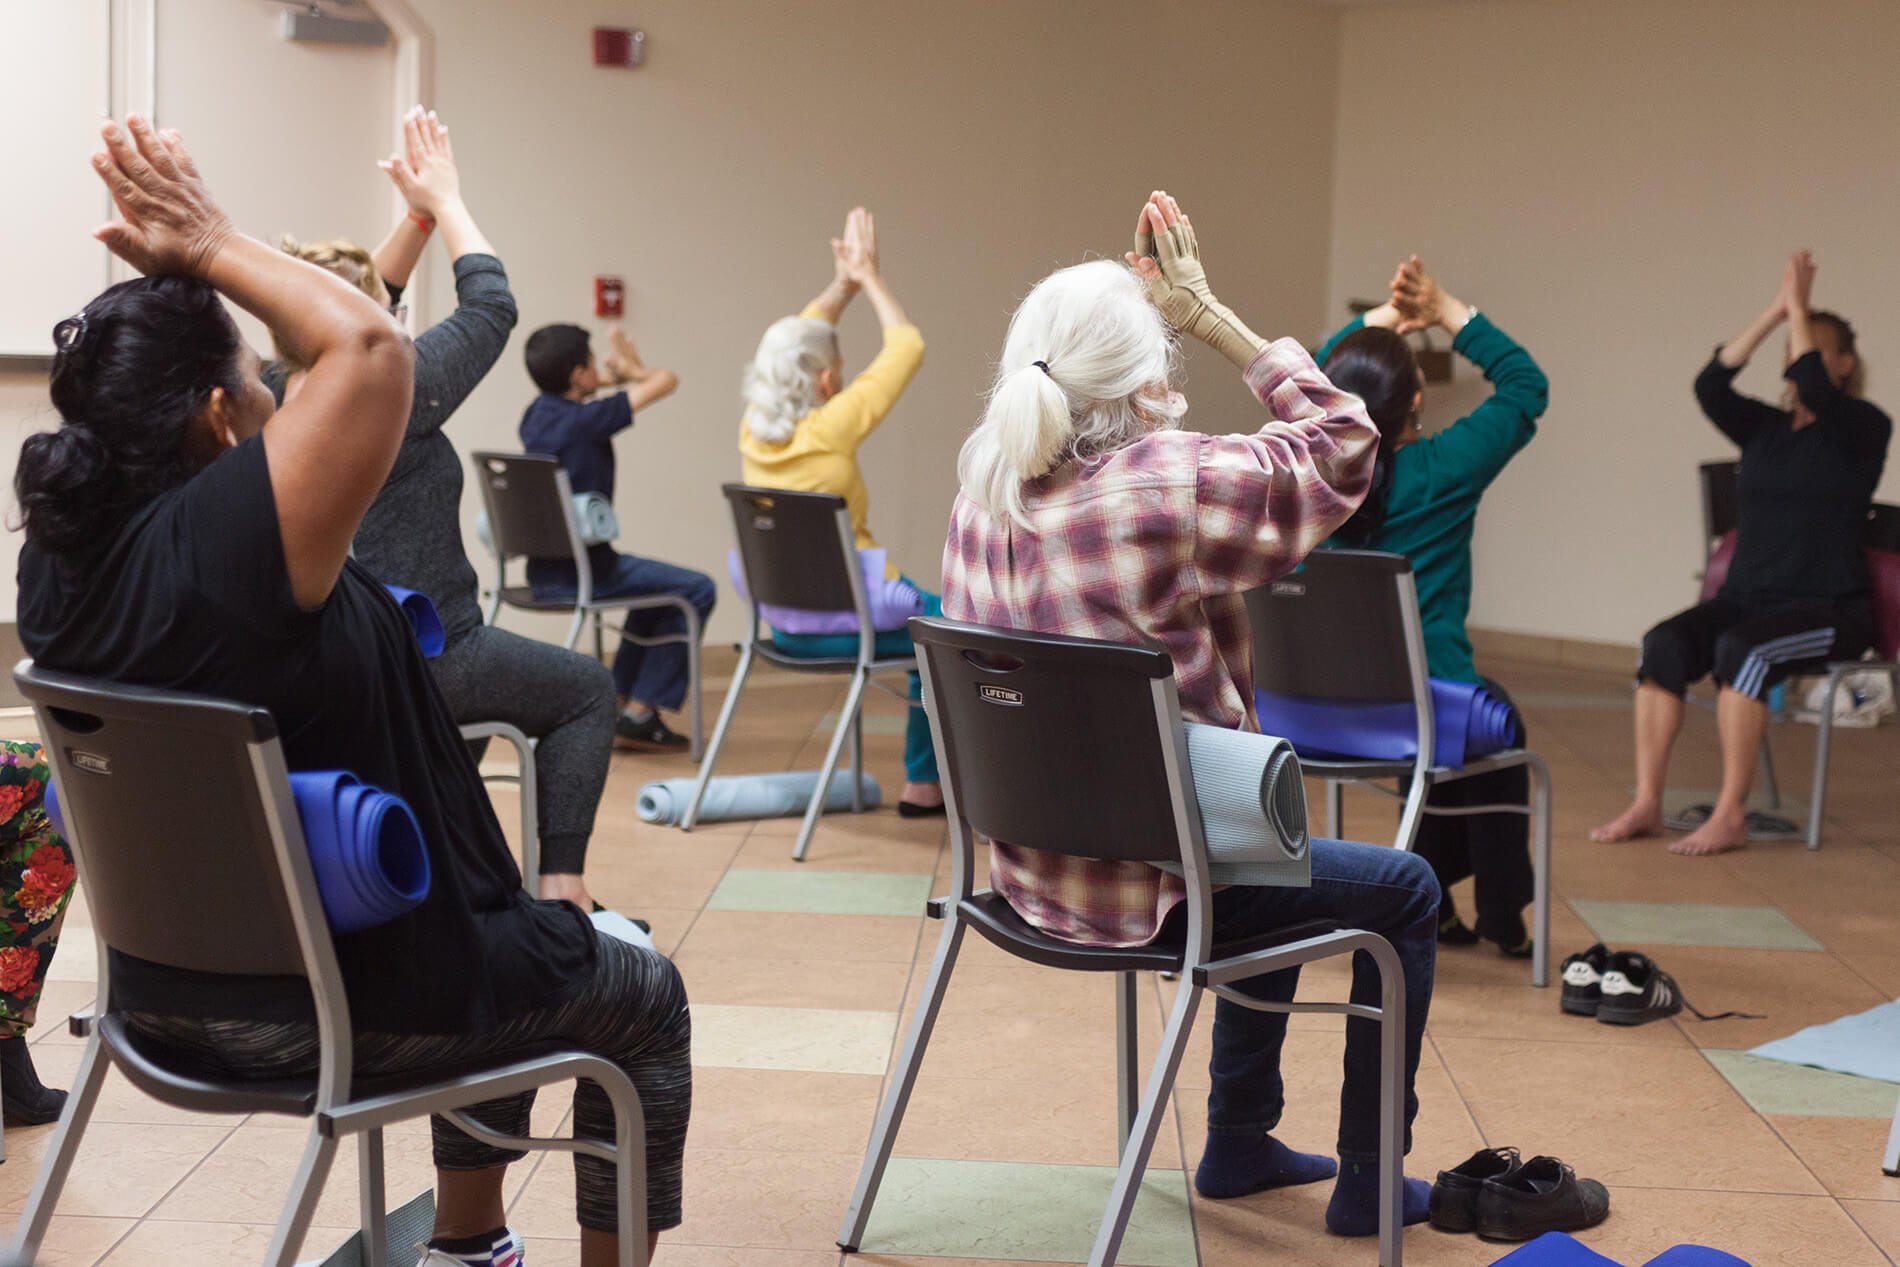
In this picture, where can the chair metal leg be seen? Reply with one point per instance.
(1891, 1161)
(847, 719)
(1335, 808)
(1134, 1160)
(696, 690)
(890, 1113)
(370, 1198)
(1127, 1054)
(726, 710)
(1540, 870)
(630, 1172)
(1413, 814)
(857, 762)
(574, 631)
(1771, 786)
(1817, 794)
(1391, 1100)
(301, 1204)
(60, 1151)
(600, 638)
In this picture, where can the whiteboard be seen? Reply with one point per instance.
(55, 88)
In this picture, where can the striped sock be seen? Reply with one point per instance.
(499, 1248)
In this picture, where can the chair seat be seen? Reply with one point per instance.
(992, 916)
(766, 650)
(1499, 760)
(185, 1080)
(522, 596)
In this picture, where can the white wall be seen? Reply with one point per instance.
(1617, 183)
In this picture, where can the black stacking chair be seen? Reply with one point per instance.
(531, 515)
(1017, 719)
(131, 762)
(798, 550)
(1346, 627)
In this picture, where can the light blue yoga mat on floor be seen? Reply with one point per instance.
(749, 796)
(1867, 1044)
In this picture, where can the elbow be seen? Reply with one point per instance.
(665, 383)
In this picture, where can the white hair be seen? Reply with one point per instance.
(781, 384)
(1109, 354)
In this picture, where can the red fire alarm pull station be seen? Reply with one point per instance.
(619, 46)
(610, 295)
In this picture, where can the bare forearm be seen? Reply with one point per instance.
(1736, 351)
(311, 312)
(889, 311)
(1800, 332)
(833, 299)
(396, 258)
(460, 236)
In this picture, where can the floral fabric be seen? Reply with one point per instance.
(36, 883)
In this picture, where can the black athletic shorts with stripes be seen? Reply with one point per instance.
(1750, 649)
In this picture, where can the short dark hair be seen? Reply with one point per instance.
(129, 375)
(554, 353)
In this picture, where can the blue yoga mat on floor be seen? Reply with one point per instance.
(1866, 1044)
(423, 620)
(750, 796)
(1556, 1249)
(1470, 723)
(365, 848)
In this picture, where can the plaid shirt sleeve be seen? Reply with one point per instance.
(1265, 501)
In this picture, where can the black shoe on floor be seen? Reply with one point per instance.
(650, 735)
(23, 1100)
(907, 809)
(1542, 1195)
(1583, 980)
(1635, 991)
(1454, 1203)
(1453, 932)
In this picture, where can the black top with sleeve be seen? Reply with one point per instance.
(1803, 496)
(192, 593)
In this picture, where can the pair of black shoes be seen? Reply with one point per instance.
(1625, 987)
(1504, 1198)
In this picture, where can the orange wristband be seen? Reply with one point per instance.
(422, 222)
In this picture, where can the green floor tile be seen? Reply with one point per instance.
(1025, 1212)
(874, 723)
(1691, 924)
(822, 892)
(1775, 1086)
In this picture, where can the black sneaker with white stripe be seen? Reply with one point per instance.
(1583, 980)
(1635, 991)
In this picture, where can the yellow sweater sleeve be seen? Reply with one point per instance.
(854, 413)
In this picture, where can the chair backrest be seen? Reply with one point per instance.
(1343, 627)
(180, 816)
(796, 549)
(529, 503)
(1066, 744)
(1721, 503)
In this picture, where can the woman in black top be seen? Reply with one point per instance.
(1796, 591)
(183, 533)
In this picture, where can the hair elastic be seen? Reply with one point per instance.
(1043, 366)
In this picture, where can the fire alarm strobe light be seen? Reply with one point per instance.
(609, 296)
(619, 46)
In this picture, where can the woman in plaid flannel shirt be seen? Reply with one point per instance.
(1085, 510)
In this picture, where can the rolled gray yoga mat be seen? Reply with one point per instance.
(749, 796)
(1253, 807)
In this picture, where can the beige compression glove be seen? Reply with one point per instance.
(1182, 294)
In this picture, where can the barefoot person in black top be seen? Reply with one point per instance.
(1796, 592)
(183, 533)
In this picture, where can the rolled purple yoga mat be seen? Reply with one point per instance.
(365, 847)
(1469, 722)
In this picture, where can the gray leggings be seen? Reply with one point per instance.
(560, 698)
(632, 1010)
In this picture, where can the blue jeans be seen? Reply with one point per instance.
(654, 676)
(1373, 887)
(920, 755)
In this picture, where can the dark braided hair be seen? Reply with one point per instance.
(1377, 366)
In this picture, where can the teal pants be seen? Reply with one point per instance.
(920, 756)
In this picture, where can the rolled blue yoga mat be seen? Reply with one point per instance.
(1470, 722)
(365, 849)
(1253, 807)
(423, 619)
(749, 796)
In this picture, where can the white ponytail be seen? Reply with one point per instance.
(1108, 355)
(780, 386)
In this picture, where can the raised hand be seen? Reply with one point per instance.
(168, 222)
(425, 172)
(623, 359)
(1167, 261)
(1423, 303)
(856, 253)
(1797, 283)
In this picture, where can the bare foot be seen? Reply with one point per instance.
(1636, 821)
(924, 795)
(1724, 830)
(561, 886)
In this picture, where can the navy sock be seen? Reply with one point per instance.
(1354, 1209)
(1235, 1165)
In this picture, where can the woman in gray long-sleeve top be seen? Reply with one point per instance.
(412, 535)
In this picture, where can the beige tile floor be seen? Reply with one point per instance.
(798, 1013)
